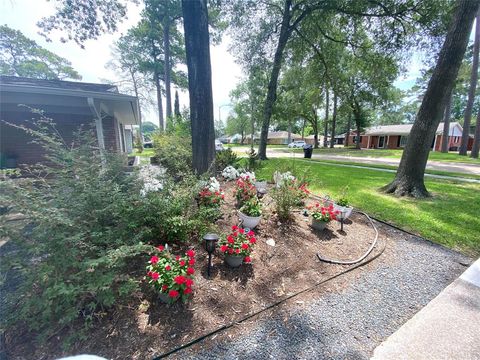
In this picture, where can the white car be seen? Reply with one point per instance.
(218, 146)
(297, 144)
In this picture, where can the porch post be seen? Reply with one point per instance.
(386, 145)
(368, 142)
(98, 124)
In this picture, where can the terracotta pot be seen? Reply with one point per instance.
(249, 221)
(318, 224)
(234, 260)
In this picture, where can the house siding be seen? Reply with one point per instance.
(16, 143)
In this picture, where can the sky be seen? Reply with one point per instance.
(90, 62)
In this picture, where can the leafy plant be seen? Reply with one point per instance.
(238, 242)
(174, 153)
(225, 158)
(171, 276)
(211, 195)
(252, 207)
(288, 195)
(343, 199)
(323, 213)
(244, 190)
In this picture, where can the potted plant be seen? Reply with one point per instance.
(244, 190)
(250, 213)
(171, 277)
(322, 215)
(342, 205)
(237, 246)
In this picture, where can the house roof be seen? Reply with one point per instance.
(402, 129)
(282, 135)
(68, 97)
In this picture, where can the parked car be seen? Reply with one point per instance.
(148, 145)
(297, 144)
(218, 146)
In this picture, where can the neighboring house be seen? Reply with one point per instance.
(311, 139)
(281, 137)
(69, 104)
(396, 136)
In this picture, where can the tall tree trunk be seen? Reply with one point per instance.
(467, 116)
(135, 89)
(446, 123)
(168, 70)
(357, 139)
(158, 88)
(303, 128)
(325, 129)
(177, 105)
(334, 119)
(349, 125)
(289, 136)
(409, 179)
(315, 129)
(285, 32)
(197, 46)
(476, 140)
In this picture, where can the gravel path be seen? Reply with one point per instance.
(348, 317)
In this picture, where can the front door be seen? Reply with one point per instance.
(381, 142)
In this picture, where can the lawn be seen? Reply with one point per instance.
(449, 218)
(144, 153)
(389, 154)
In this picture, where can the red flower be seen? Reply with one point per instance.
(149, 273)
(173, 293)
(187, 291)
(235, 234)
(179, 279)
(188, 282)
(191, 261)
(190, 253)
(237, 251)
(164, 288)
(247, 259)
(160, 247)
(253, 240)
(245, 246)
(177, 257)
(241, 231)
(230, 251)
(230, 239)
(250, 233)
(154, 275)
(223, 248)
(154, 259)
(168, 268)
(190, 271)
(182, 263)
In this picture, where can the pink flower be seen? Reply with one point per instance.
(179, 279)
(245, 246)
(182, 263)
(223, 248)
(247, 259)
(188, 282)
(168, 268)
(241, 231)
(190, 253)
(154, 259)
(230, 239)
(187, 291)
(160, 247)
(253, 240)
(191, 261)
(190, 271)
(154, 275)
(250, 233)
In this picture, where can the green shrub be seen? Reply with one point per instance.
(225, 158)
(174, 153)
(91, 225)
(287, 197)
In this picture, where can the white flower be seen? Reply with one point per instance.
(280, 178)
(248, 176)
(213, 185)
(150, 176)
(230, 173)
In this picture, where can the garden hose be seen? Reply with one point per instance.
(351, 262)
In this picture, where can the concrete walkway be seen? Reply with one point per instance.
(447, 328)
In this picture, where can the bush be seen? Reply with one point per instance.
(174, 153)
(287, 196)
(89, 224)
(225, 158)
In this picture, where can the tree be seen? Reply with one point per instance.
(476, 139)
(197, 46)
(20, 56)
(446, 124)
(177, 105)
(409, 179)
(471, 91)
(149, 127)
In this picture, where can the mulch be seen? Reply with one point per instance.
(145, 327)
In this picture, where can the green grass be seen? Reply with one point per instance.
(144, 153)
(390, 154)
(391, 167)
(449, 218)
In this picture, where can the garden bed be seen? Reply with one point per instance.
(146, 327)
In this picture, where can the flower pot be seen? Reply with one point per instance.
(318, 224)
(249, 221)
(345, 211)
(234, 260)
(261, 185)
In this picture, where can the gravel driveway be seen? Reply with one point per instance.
(349, 316)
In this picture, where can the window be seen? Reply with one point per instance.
(403, 141)
(381, 141)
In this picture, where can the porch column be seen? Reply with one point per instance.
(368, 142)
(388, 139)
(435, 143)
(98, 123)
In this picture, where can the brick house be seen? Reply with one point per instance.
(281, 137)
(69, 104)
(395, 137)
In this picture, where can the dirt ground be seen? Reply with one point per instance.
(145, 327)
